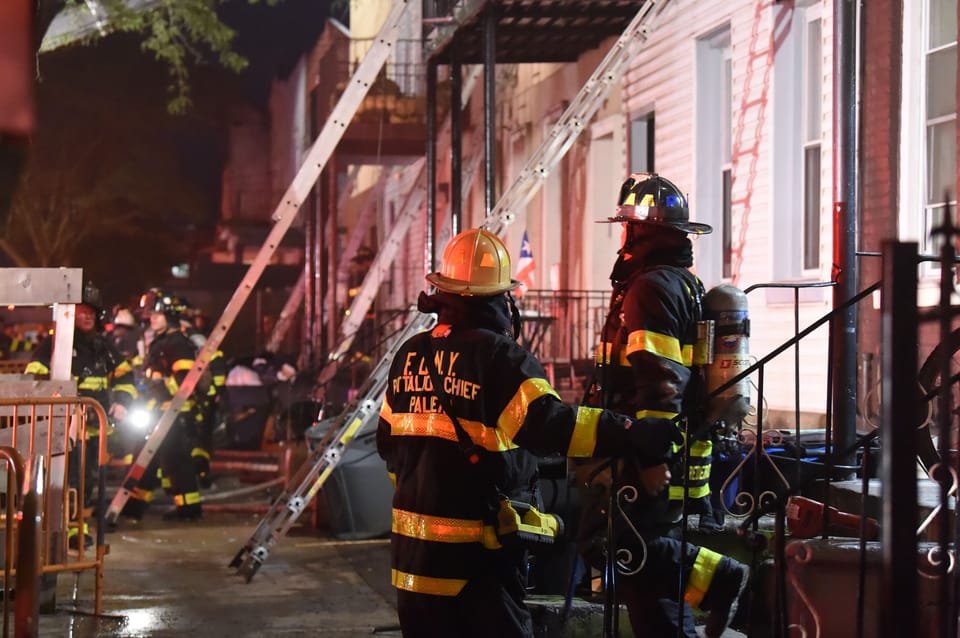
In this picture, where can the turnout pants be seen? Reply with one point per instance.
(653, 595)
(490, 605)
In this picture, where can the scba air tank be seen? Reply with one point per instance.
(726, 306)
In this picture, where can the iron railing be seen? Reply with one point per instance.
(562, 325)
(397, 96)
(438, 10)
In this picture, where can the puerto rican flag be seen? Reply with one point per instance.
(525, 267)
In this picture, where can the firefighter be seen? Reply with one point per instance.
(126, 335)
(645, 367)
(103, 374)
(466, 410)
(208, 405)
(169, 358)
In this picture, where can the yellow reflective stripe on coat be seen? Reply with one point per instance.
(676, 492)
(440, 426)
(427, 584)
(182, 364)
(93, 383)
(605, 356)
(659, 414)
(36, 367)
(442, 529)
(704, 568)
(698, 472)
(128, 388)
(584, 439)
(515, 412)
(661, 345)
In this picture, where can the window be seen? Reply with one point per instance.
(713, 146)
(940, 117)
(928, 121)
(813, 88)
(641, 144)
(797, 147)
(726, 167)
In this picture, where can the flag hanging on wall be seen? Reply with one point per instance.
(525, 267)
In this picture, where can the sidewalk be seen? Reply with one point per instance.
(173, 579)
(164, 579)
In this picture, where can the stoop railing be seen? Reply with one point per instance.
(899, 585)
(771, 468)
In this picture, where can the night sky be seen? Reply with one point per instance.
(112, 97)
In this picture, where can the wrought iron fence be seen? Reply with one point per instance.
(438, 9)
(562, 325)
(397, 96)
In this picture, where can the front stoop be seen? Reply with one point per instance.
(848, 497)
(585, 619)
(822, 587)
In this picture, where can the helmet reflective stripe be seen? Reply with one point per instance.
(660, 202)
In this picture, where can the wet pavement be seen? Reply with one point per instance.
(173, 579)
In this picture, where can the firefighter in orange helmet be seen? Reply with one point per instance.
(466, 411)
(645, 366)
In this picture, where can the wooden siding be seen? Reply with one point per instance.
(664, 74)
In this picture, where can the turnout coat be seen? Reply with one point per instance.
(445, 504)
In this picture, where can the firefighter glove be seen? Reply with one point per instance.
(653, 441)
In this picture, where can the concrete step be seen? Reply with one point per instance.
(847, 496)
(585, 619)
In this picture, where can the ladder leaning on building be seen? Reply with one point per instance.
(283, 216)
(365, 408)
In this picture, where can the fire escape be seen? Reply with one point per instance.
(400, 120)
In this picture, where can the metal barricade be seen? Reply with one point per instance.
(52, 432)
(14, 476)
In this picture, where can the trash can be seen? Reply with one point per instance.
(359, 493)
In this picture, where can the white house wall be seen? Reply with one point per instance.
(565, 210)
(663, 78)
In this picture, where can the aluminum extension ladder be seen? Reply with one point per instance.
(283, 216)
(325, 456)
(360, 413)
(365, 409)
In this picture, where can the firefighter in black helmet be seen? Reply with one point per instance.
(103, 374)
(645, 367)
(169, 358)
(214, 380)
(465, 411)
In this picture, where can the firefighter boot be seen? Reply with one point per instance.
(134, 509)
(725, 596)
